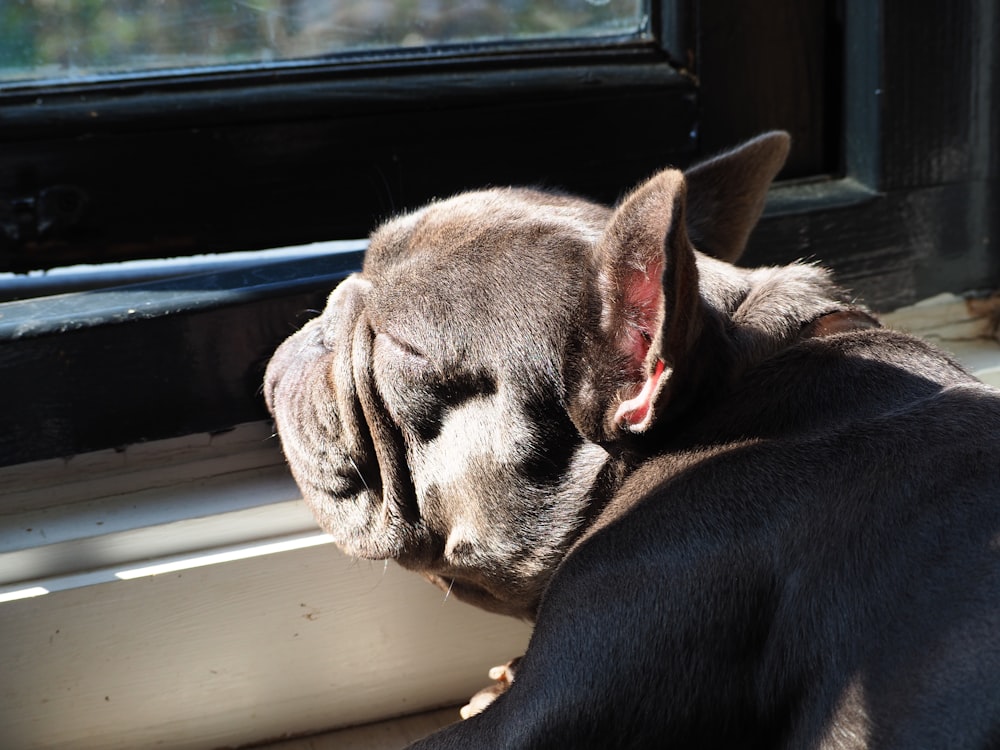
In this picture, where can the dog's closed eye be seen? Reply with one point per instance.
(400, 345)
(419, 392)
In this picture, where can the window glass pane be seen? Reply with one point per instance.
(74, 39)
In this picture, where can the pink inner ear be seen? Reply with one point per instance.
(635, 410)
(643, 298)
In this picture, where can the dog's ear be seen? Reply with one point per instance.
(663, 339)
(652, 312)
(726, 194)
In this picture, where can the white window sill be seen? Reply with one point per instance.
(224, 654)
(968, 328)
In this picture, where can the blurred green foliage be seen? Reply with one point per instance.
(81, 36)
(70, 38)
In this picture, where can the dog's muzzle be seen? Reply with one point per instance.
(345, 454)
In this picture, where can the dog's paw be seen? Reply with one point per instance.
(503, 677)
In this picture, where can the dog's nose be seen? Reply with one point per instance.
(317, 336)
(270, 383)
(275, 370)
(342, 309)
(293, 352)
(347, 295)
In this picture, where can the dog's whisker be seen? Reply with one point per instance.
(448, 592)
(360, 475)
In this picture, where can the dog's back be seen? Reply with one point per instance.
(828, 556)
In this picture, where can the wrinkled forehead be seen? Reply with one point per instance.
(488, 228)
(511, 262)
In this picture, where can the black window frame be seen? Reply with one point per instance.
(893, 183)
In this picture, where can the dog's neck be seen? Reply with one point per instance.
(766, 310)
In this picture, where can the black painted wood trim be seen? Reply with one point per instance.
(911, 210)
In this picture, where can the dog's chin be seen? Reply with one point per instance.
(479, 596)
(413, 549)
(362, 525)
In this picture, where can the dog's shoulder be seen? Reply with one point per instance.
(824, 384)
(831, 414)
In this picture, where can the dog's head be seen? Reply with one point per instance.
(460, 405)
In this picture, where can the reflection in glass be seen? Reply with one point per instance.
(74, 39)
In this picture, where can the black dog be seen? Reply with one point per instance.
(741, 513)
